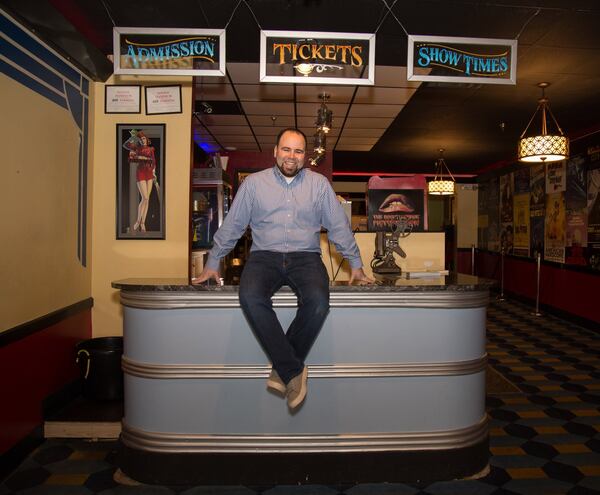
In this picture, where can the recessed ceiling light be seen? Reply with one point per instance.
(230, 148)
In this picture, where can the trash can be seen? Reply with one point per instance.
(99, 362)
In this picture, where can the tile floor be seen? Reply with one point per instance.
(544, 440)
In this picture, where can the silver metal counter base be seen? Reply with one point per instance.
(399, 377)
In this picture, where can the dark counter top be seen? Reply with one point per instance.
(451, 282)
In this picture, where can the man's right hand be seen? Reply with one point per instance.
(207, 274)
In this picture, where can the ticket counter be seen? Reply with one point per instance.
(396, 388)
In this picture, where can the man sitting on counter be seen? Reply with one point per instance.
(285, 207)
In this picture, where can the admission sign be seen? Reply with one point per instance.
(160, 51)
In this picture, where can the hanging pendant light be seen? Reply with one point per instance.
(316, 160)
(320, 142)
(324, 116)
(543, 147)
(443, 181)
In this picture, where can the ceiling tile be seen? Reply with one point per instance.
(231, 130)
(264, 120)
(242, 147)
(364, 132)
(311, 131)
(210, 80)
(374, 95)
(368, 123)
(358, 140)
(353, 147)
(265, 92)
(210, 120)
(217, 92)
(311, 109)
(337, 94)
(393, 77)
(260, 130)
(362, 110)
(237, 138)
(268, 108)
(243, 73)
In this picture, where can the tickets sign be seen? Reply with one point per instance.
(317, 57)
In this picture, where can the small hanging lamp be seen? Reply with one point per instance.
(443, 181)
(544, 147)
(324, 116)
(320, 142)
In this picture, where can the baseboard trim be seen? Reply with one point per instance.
(560, 313)
(21, 331)
(82, 429)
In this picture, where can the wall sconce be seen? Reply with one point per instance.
(443, 181)
(324, 116)
(320, 142)
(543, 147)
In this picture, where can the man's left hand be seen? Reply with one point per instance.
(360, 277)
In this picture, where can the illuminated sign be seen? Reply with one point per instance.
(460, 60)
(317, 57)
(158, 51)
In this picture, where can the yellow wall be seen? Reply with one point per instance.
(39, 267)
(424, 251)
(117, 259)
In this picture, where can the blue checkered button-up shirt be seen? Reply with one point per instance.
(285, 217)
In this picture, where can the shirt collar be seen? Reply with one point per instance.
(281, 178)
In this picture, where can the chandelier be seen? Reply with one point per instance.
(443, 181)
(543, 147)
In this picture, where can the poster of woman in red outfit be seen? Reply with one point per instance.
(140, 177)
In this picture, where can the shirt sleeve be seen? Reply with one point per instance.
(233, 226)
(339, 231)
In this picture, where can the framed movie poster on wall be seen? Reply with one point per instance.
(140, 181)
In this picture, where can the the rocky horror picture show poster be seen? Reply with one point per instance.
(391, 207)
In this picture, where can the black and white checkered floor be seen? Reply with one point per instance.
(543, 440)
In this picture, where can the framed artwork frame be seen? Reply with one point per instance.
(120, 98)
(140, 207)
(161, 100)
(241, 174)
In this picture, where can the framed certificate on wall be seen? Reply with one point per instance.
(163, 99)
(122, 99)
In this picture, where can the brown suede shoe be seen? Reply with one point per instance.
(275, 383)
(296, 389)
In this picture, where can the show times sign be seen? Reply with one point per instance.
(452, 59)
(199, 52)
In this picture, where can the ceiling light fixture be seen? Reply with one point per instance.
(320, 142)
(543, 147)
(443, 181)
(324, 116)
(316, 160)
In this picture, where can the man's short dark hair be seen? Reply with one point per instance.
(291, 129)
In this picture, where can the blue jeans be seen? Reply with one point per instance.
(264, 274)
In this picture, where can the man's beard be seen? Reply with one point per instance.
(289, 174)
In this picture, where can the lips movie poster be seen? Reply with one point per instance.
(389, 207)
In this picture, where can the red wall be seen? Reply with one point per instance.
(244, 160)
(34, 367)
(570, 290)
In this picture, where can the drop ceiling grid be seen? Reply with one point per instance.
(374, 108)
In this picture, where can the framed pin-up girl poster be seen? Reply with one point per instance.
(141, 181)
